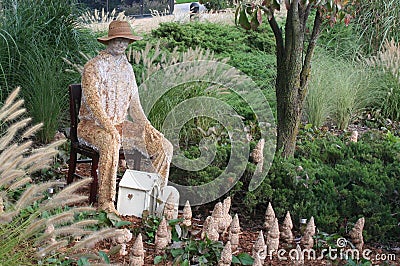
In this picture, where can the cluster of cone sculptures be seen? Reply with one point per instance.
(221, 223)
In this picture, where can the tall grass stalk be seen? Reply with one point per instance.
(33, 226)
(387, 62)
(339, 90)
(35, 35)
(378, 20)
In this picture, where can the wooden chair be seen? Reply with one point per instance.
(77, 147)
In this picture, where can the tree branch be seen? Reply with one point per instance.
(280, 47)
(305, 73)
(307, 13)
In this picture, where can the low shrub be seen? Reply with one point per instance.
(330, 178)
(337, 182)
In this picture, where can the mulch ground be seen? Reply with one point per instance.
(250, 227)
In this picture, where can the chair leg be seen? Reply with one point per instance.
(71, 166)
(95, 182)
(137, 159)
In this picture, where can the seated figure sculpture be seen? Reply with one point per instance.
(109, 92)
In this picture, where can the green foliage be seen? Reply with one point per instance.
(362, 262)
(215, 5)
(221, 39)
(34, 38)
(340, 42)
(202, 252)
(242, 259)
(249, 13)
(337, 180)
(391, 104)
(251, 52)
(330, 178)
(376, 22)
(150, 224)
(339, 90)
(386, 63)
(199, 252)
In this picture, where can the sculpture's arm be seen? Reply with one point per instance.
(136, 110)
(90, 80)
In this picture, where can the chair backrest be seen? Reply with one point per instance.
(75, 95)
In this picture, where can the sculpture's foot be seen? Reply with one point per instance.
(108, 208)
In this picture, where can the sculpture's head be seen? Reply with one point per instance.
(119, 29)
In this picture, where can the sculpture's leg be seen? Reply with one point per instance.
(149, 141)
(108, 162)
(160, 151)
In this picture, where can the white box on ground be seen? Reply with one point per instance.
(138, 191)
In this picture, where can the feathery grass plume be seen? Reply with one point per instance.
(61, 201)
(20, 183)
(91, 240)
(31, 131)
(61, 218)
(15, 115)
(20, 233)
(15, 107)
(7, 217)
(387, 62)
(10, 99)
(10, 176)
(85, 223)
(66, 192)
(51, 248)
(71, 231)
(97, 21)
(13, 151)
(28, 197)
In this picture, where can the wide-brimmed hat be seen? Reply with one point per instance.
(119, 29)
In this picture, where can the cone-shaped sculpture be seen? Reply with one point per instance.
(226, 205)
(187, 215)
(218, 216)
(356, 234)
(286, 232)
(273, 238)
(259, 248)
(257, 261)
(212, 230)
(137, 252)
(269, 217)
(307, 240)
(205, 226)
(234, 233)
(226, 255)
(163, 236)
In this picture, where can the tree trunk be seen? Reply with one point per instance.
(293, 69)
